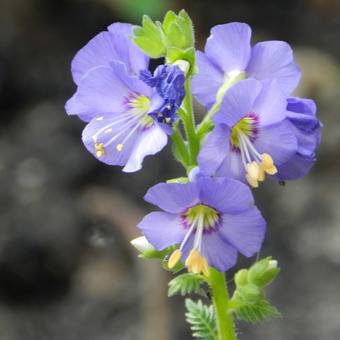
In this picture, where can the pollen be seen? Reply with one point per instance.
(196, 263)
(174, 258)
(119, 147)
(100, 149)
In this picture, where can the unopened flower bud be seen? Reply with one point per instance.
(262, 273)
(241, 277)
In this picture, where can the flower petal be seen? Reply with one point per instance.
(274, 60)
(151, 141)
(207, 82)
(173, 197)
(162, 229)
(245, 231)
(297, 167)
(106, 47)
(220, 254)
(238, 102)
(225, 195)
(229, 46)
(117, 135)
(103, 90)
(301, 105)
(232, 167)
(270, 105)
(214, 150)
(278, 140)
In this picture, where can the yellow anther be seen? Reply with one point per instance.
(252, 182)
(253, 170)
(174, 258)
(262, 174)
(268, 164)
(100, 149)
(119, 147)
(108, 130)
(167, 120)
(267, 160)
(197, 263)
(94, 139)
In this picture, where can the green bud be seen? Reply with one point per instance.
(150, 38)
(241, 277)
(263, 272)
(250, 292)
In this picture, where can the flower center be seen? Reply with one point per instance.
(206, 215)
(199, 219)
(256, 165)
(124, 126)
(247, 126)
(140, 106)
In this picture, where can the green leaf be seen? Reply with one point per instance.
(154, 254)
(185, 283)
(150, 38)
(178, 30)
(202, 320)
(256, 312)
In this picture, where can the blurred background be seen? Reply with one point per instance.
(67, 270)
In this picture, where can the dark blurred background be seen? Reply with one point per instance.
(67, 270)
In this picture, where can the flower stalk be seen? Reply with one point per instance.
(220, 296)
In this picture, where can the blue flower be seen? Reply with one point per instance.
(210, 220)
(252, 136)
(229, 57)
(129, 111)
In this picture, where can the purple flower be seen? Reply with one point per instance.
(229, 56)
(252, 135)
(301, 114)
(210, 220)
(129, 111)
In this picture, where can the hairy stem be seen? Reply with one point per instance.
(224, 319)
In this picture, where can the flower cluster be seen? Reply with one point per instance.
(259, 129)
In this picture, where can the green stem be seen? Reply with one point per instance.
(224, 319)
(206, 125)
(187, 115)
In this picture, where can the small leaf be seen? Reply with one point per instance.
(185, 284)
(150, 38)
(259, 311)
(202, 320)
